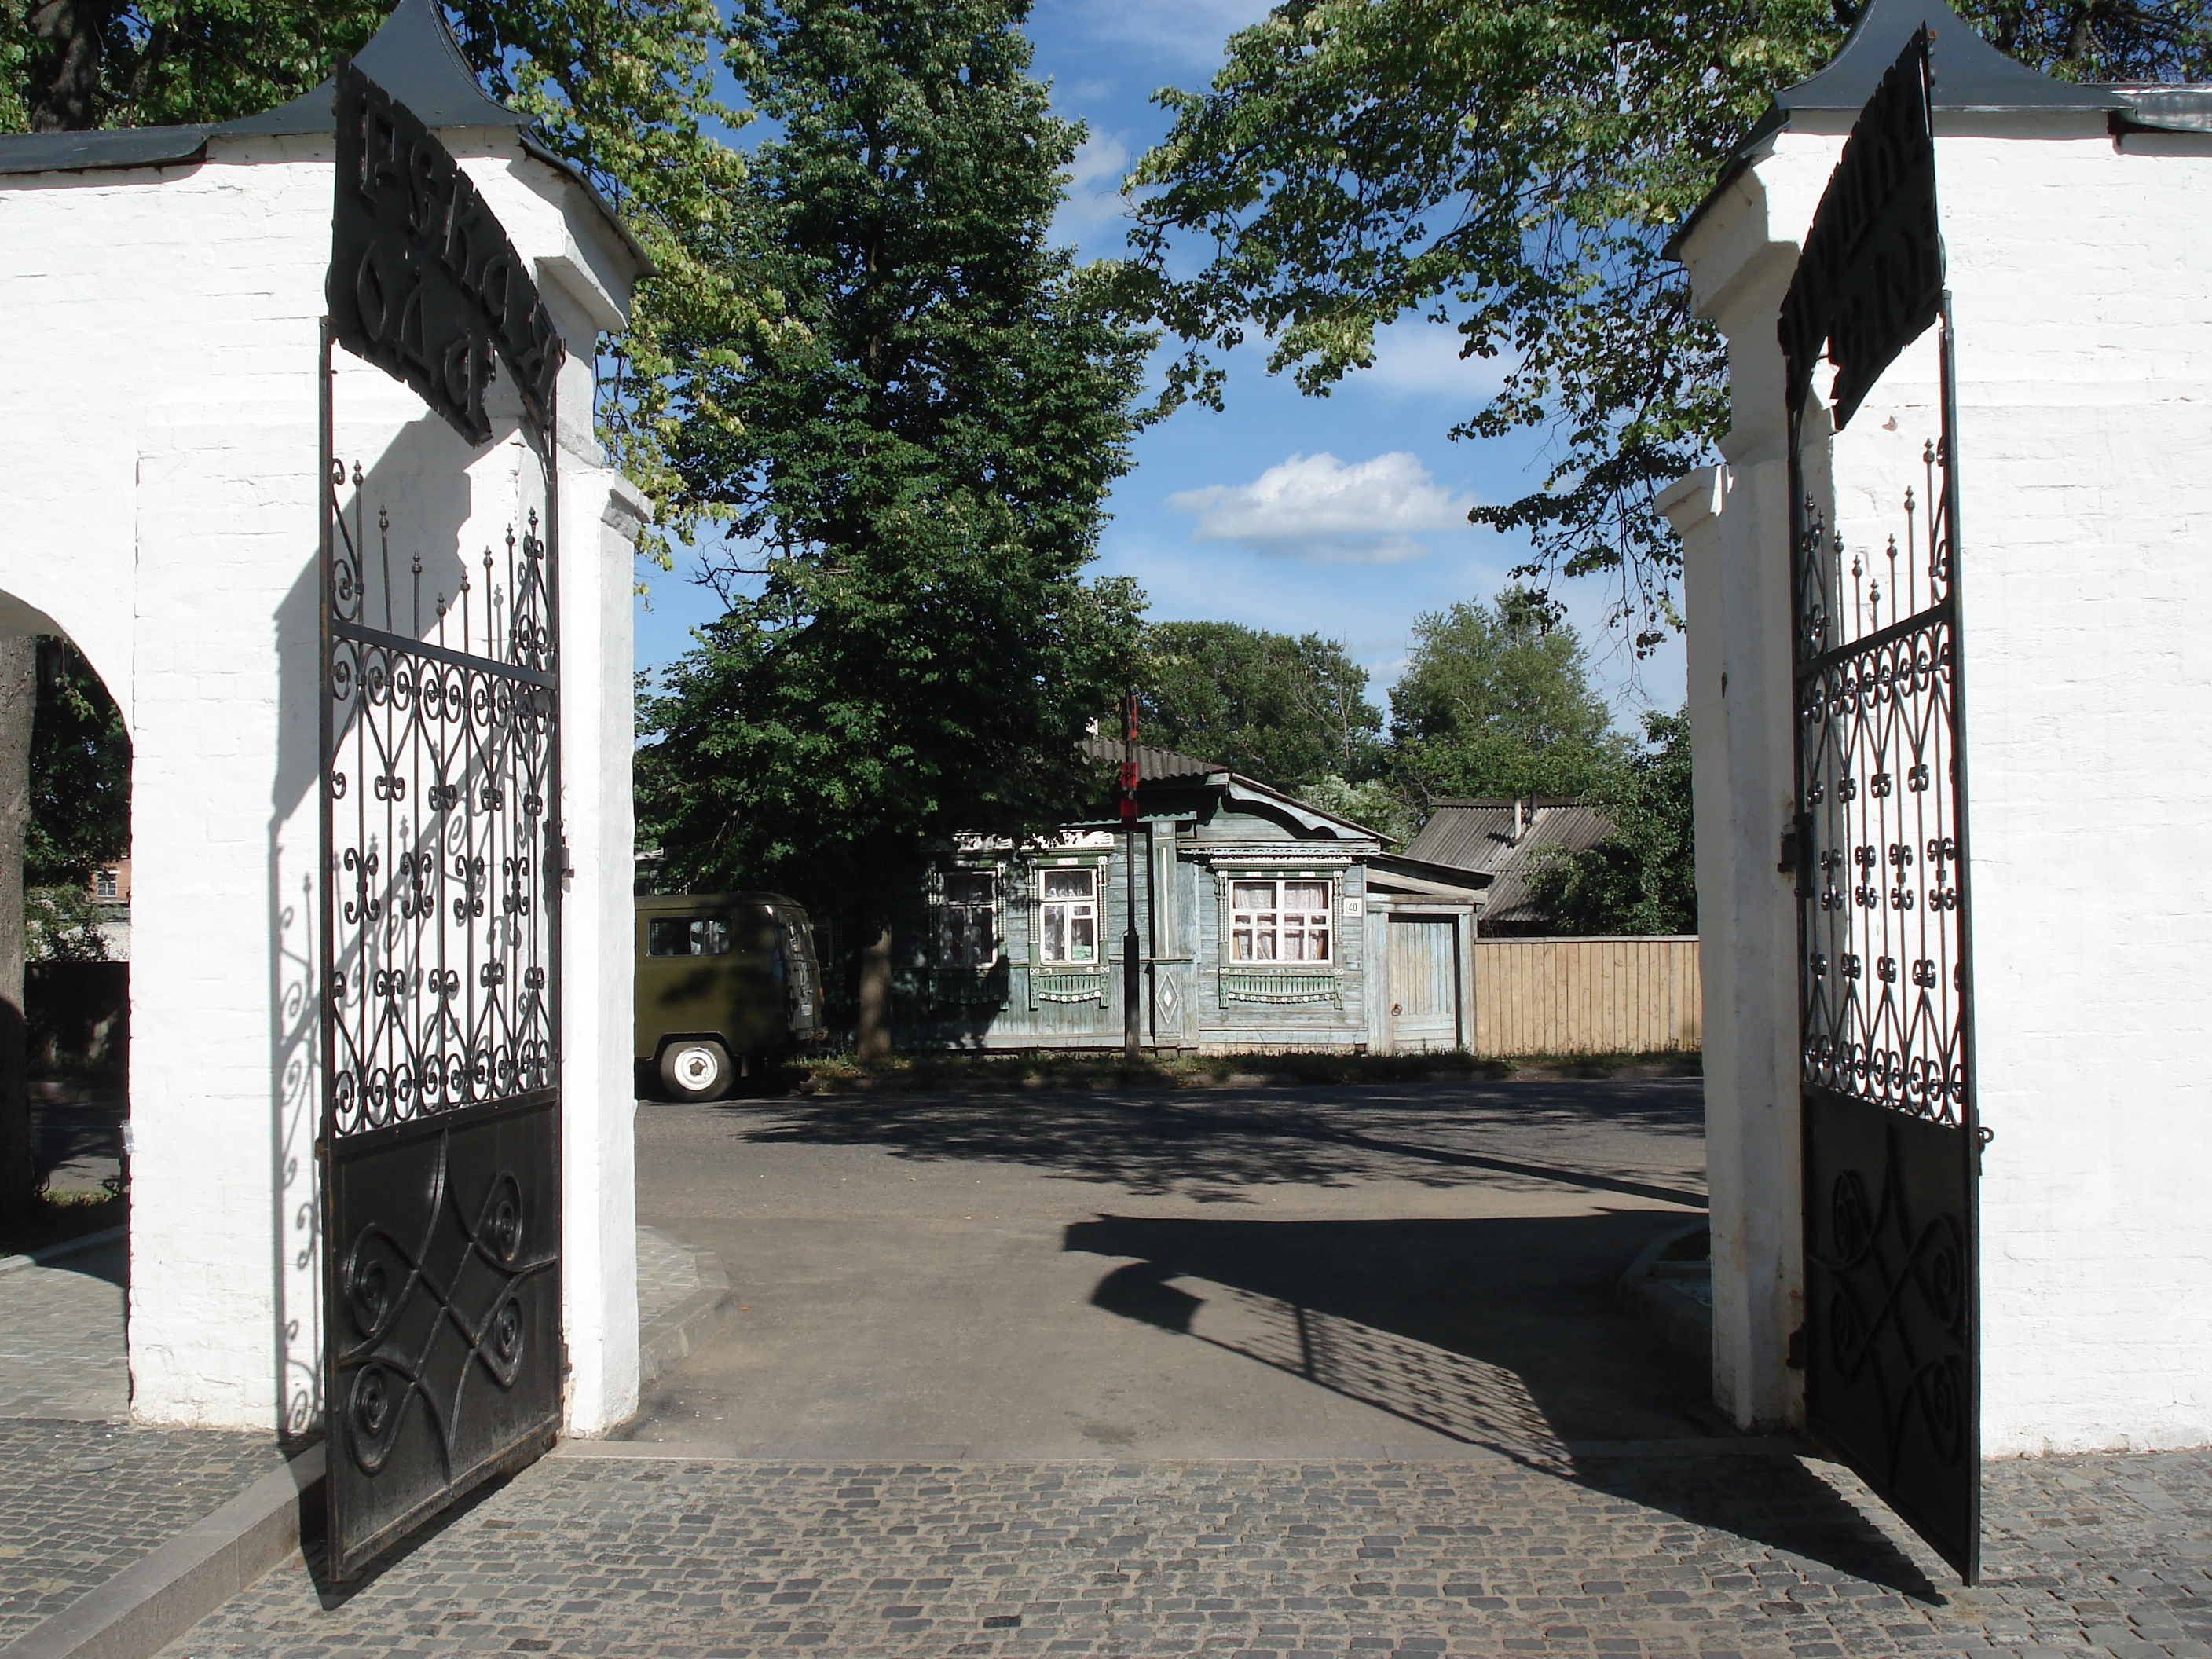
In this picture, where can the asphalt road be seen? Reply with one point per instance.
(1277, 1271)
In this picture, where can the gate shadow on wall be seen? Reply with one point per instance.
(1498, 1332)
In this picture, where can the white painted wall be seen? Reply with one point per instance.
(2077, 263)
(158, 504)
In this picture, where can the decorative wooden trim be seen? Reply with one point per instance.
(1281, 989)
(1067, 987)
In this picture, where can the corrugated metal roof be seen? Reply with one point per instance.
(1167, 766)
(1154, 765)
(1482, 836)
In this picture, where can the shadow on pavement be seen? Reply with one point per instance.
(82, 1137)
(1210, 1147)
(1500, 1332)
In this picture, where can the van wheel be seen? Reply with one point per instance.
(697, 1068)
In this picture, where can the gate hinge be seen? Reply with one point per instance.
(1796, 858)
(1795, 1358)
(557, 854)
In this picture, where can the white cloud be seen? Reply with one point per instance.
(1416, 358)
(1315, 508)
(1094, 190)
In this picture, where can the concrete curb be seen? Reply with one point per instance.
(665, 1340)
(1657, 1293)
(157, 1598)
(9, 1264)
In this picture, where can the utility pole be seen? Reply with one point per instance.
(1132, 973)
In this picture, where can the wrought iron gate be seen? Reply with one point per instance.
(1891, 1144)
(441, 865)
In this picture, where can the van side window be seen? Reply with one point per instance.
(687, 936)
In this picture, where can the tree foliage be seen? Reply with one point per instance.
(1514, 169)
(914, 469)
(80, 774)
(1642, 878)
(622, 88)
(1497, 701)
(1285, 710)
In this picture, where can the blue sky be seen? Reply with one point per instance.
(1343, 515)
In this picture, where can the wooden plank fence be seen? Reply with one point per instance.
(1587, 996)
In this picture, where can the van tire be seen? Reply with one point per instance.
(696, 1069)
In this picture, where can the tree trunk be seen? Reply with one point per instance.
(63, 88)
(18, 705)
(872, 1033)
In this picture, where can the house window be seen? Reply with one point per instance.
(687, 936)
(1070, 921)
(969, 922)
(103, 883)
(1278, 922)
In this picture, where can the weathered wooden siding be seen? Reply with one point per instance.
(1587, 996)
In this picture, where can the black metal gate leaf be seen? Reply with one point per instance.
(441, 868)
(1890, 1141)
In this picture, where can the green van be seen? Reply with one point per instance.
(722, 978)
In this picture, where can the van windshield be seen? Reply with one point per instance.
(687, 936)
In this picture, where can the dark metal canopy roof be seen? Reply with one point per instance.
(1966, 72)
(414, 56)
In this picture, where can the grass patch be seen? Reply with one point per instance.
(922, 1071)
(57, 1217)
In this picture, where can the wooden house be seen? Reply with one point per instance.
(1262, 923)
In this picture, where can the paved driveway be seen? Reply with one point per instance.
(1179, 1273)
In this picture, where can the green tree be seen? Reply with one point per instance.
(1514, 169)
(1287, 711)
(80, 775)
(1642, 877)
(1497, 701)
(914, 471)
(1374, 803)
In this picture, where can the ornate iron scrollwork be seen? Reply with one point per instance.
(439, 779)
(422, 280)
(1884, 1005)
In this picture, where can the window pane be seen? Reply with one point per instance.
(687, 936)
(1318, 945)
(968, 887)
(1083, 939)
(1252, 895)
(1067, 884)
(1305, 896)
(1266, 943)
(1240, 946)
(1294, 944)
(1055, 934)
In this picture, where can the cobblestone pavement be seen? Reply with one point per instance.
(1758, 1556)
(61, 1338)
(80, 1501)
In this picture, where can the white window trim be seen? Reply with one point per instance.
(1044, 964)
(1231, 963)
